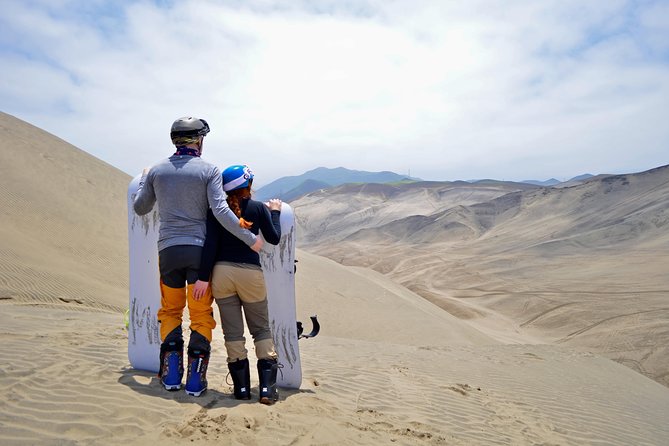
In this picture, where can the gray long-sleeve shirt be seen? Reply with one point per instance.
(185, 187)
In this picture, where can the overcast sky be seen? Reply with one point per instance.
(445, 90)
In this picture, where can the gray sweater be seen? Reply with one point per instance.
(185, 187)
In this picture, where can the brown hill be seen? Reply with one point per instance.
(336, 213)
(63, 224)
(585, 265)
(602, 213)
(387, 367)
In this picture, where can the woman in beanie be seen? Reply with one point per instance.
(237, 283)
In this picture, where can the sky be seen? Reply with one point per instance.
(441, 90)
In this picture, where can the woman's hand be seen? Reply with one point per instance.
(274, 204)
(200, 289)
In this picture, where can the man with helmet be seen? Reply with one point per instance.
(237, 282)
(185, 187)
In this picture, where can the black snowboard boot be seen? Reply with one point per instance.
(267, 369)
(241, 379)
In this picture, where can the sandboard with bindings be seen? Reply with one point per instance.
(278, 264)
(144, 286)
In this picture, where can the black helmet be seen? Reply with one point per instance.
(189, 127)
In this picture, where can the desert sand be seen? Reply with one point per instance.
(68, 381)
(585, 266)
(389, 366)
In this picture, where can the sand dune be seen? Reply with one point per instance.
(584, 266)
(79, 389)
(63, 221)
(357, 303)
(389, 367)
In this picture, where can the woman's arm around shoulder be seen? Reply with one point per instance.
(270, 224)
(210, 248)
(208, 258)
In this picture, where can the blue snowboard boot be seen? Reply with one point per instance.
(171, 365)
(196, 382)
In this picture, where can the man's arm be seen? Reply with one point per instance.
(146, 196)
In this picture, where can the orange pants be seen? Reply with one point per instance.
(172, 304)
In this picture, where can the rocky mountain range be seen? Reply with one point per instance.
(585, 265)
(293, 187)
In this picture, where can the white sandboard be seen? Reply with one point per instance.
(278, 264)
(144, 284)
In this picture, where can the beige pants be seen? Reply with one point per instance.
(236, 287)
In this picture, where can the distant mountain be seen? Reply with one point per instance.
(337, 212)
(554, 182)
(292, 187)
(302, 189)
(585, 176)
(549, 182)
(609, 211)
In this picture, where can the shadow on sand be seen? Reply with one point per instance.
(148, 383)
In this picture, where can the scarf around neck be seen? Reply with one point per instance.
(187, 151)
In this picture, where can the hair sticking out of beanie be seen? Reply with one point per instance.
(234, 200)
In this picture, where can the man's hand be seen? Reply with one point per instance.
(257, 246)
(200, 289)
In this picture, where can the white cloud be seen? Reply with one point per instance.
(450, 90)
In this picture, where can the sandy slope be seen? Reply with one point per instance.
(76, 388)
(62, 223)
(584, 266)
(358, 303)
(388, 366)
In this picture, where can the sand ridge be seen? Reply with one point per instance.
(81, 390)
(584, 265)
(498, 359)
